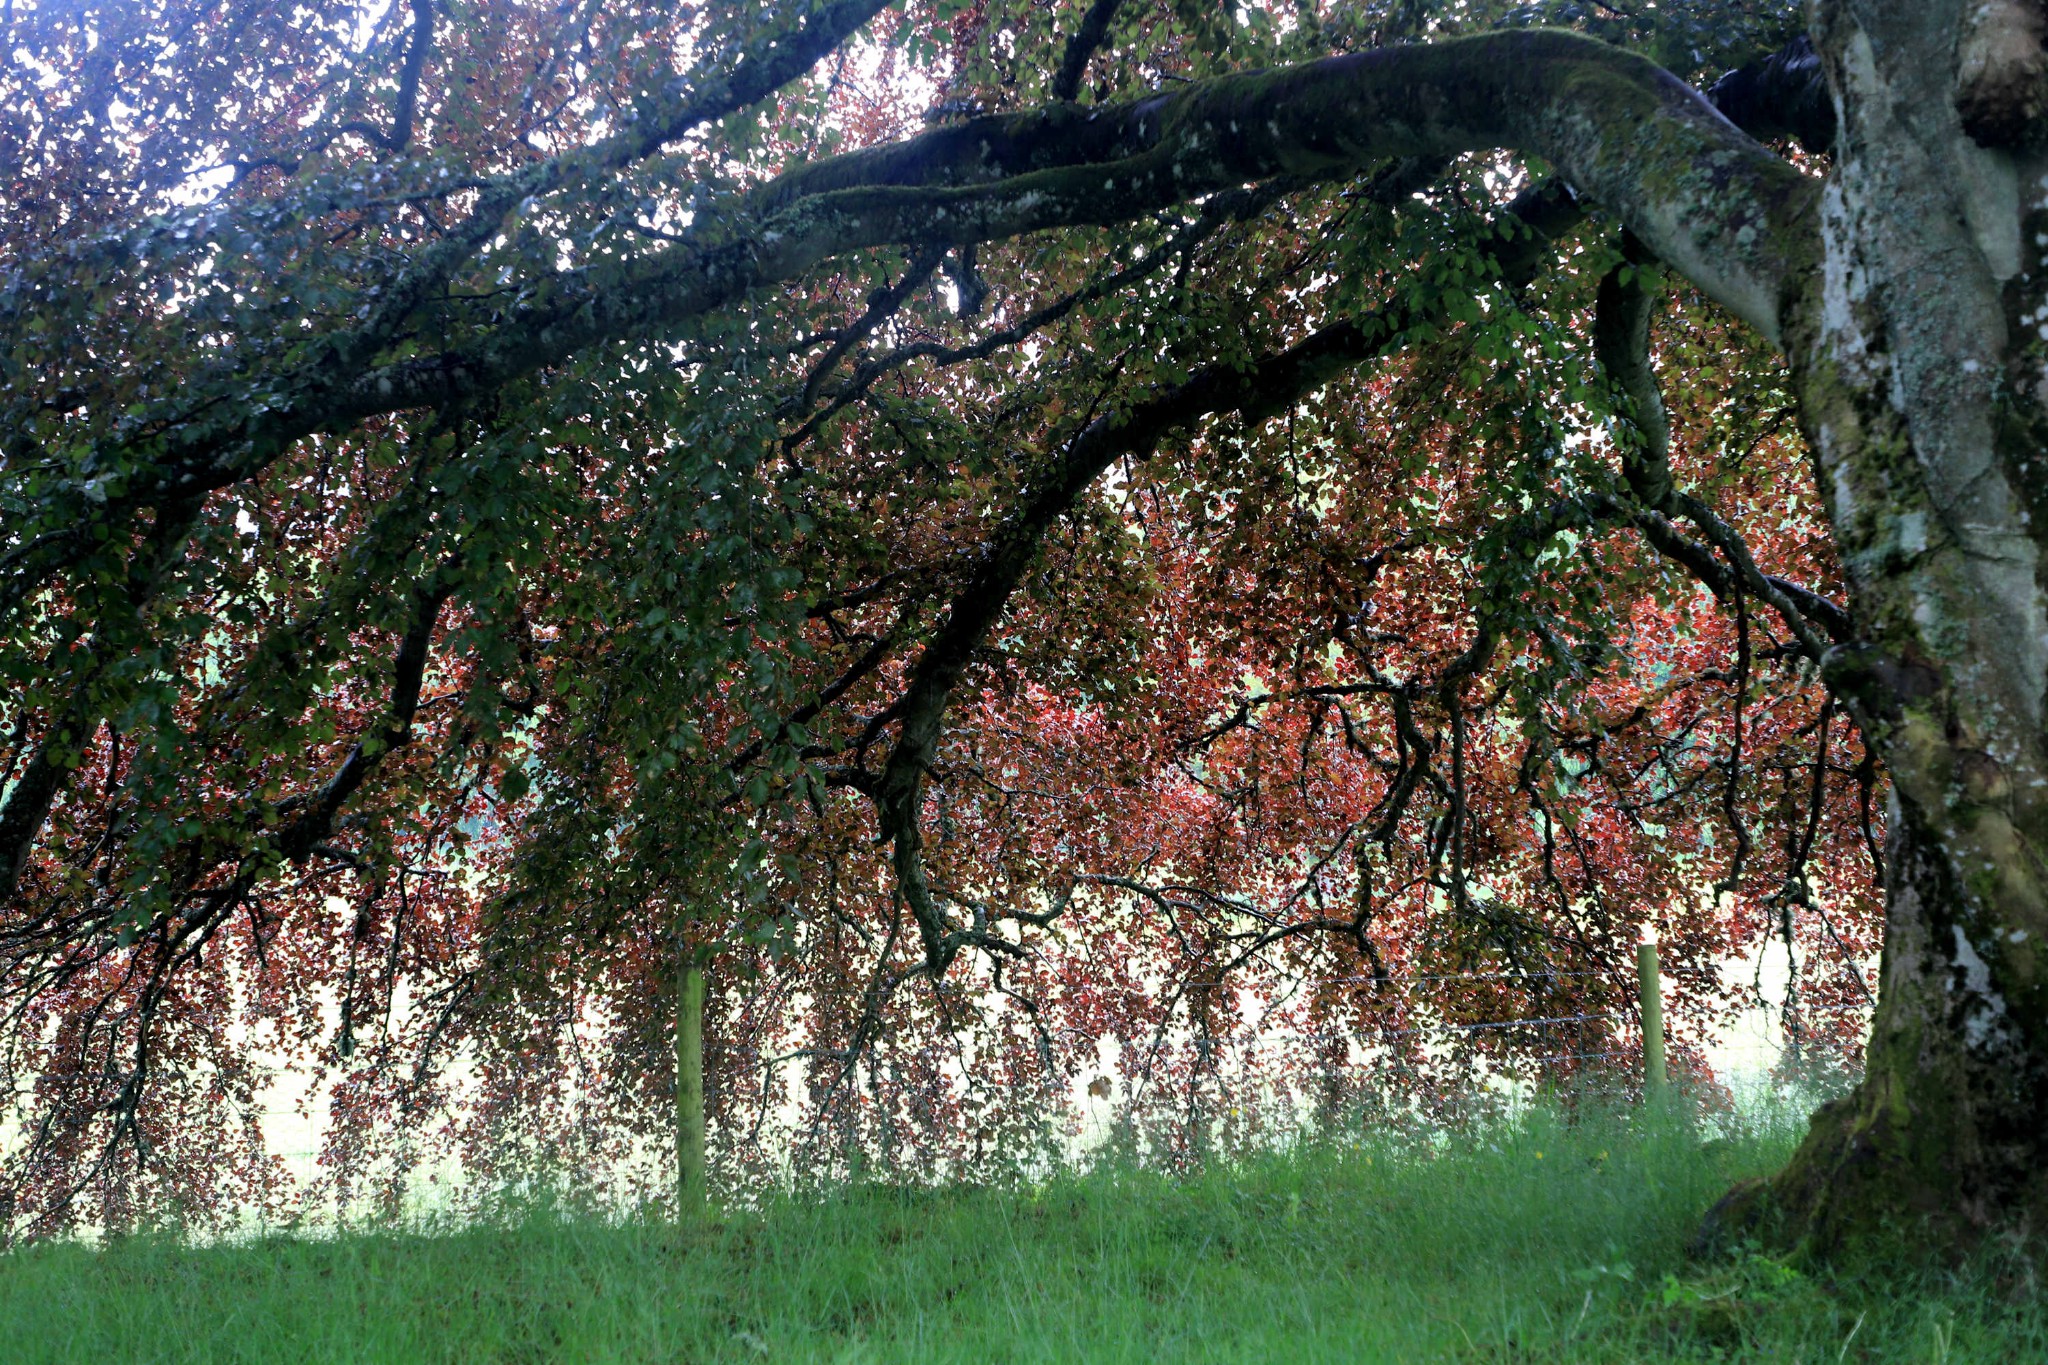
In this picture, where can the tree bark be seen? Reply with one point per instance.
(1918, 355)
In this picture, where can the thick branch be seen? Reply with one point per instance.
(1783, 95)
(408, 670)
(1703, 197)
(417, 43)
(1621, 343)
(416, 49)
(1066, 84)
(1624, 132)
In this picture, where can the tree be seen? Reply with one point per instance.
(550, 405)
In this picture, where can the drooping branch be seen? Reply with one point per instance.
(1230, 206)
(1798, 605)
(1266, 387)
(1623, 309)
(199, 443)
(49, 767)
(1518, 243)
(1621, 343)
(81, 516)
(882, 305)
(312, 823)
(1702, 196)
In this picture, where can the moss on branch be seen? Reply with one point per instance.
(1703, 196)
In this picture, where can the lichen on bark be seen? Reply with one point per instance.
(1898, 347)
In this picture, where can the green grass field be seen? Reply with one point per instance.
(1539, 1241)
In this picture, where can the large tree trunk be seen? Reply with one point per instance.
(1918, 355)
(1948, 1121)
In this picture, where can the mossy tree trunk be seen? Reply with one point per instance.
(1921, 357)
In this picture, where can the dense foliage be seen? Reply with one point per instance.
(430, 611)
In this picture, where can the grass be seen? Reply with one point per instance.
(1542, 1240)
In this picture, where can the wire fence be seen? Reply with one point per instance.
(1243, 1086)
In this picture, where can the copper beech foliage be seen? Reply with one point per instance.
(1215, 627)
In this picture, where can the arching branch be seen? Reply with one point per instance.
(1704, 197)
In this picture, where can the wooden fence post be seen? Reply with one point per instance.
(1650, 995)
(692, 1184)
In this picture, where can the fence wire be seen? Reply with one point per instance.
(1225, 1073)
